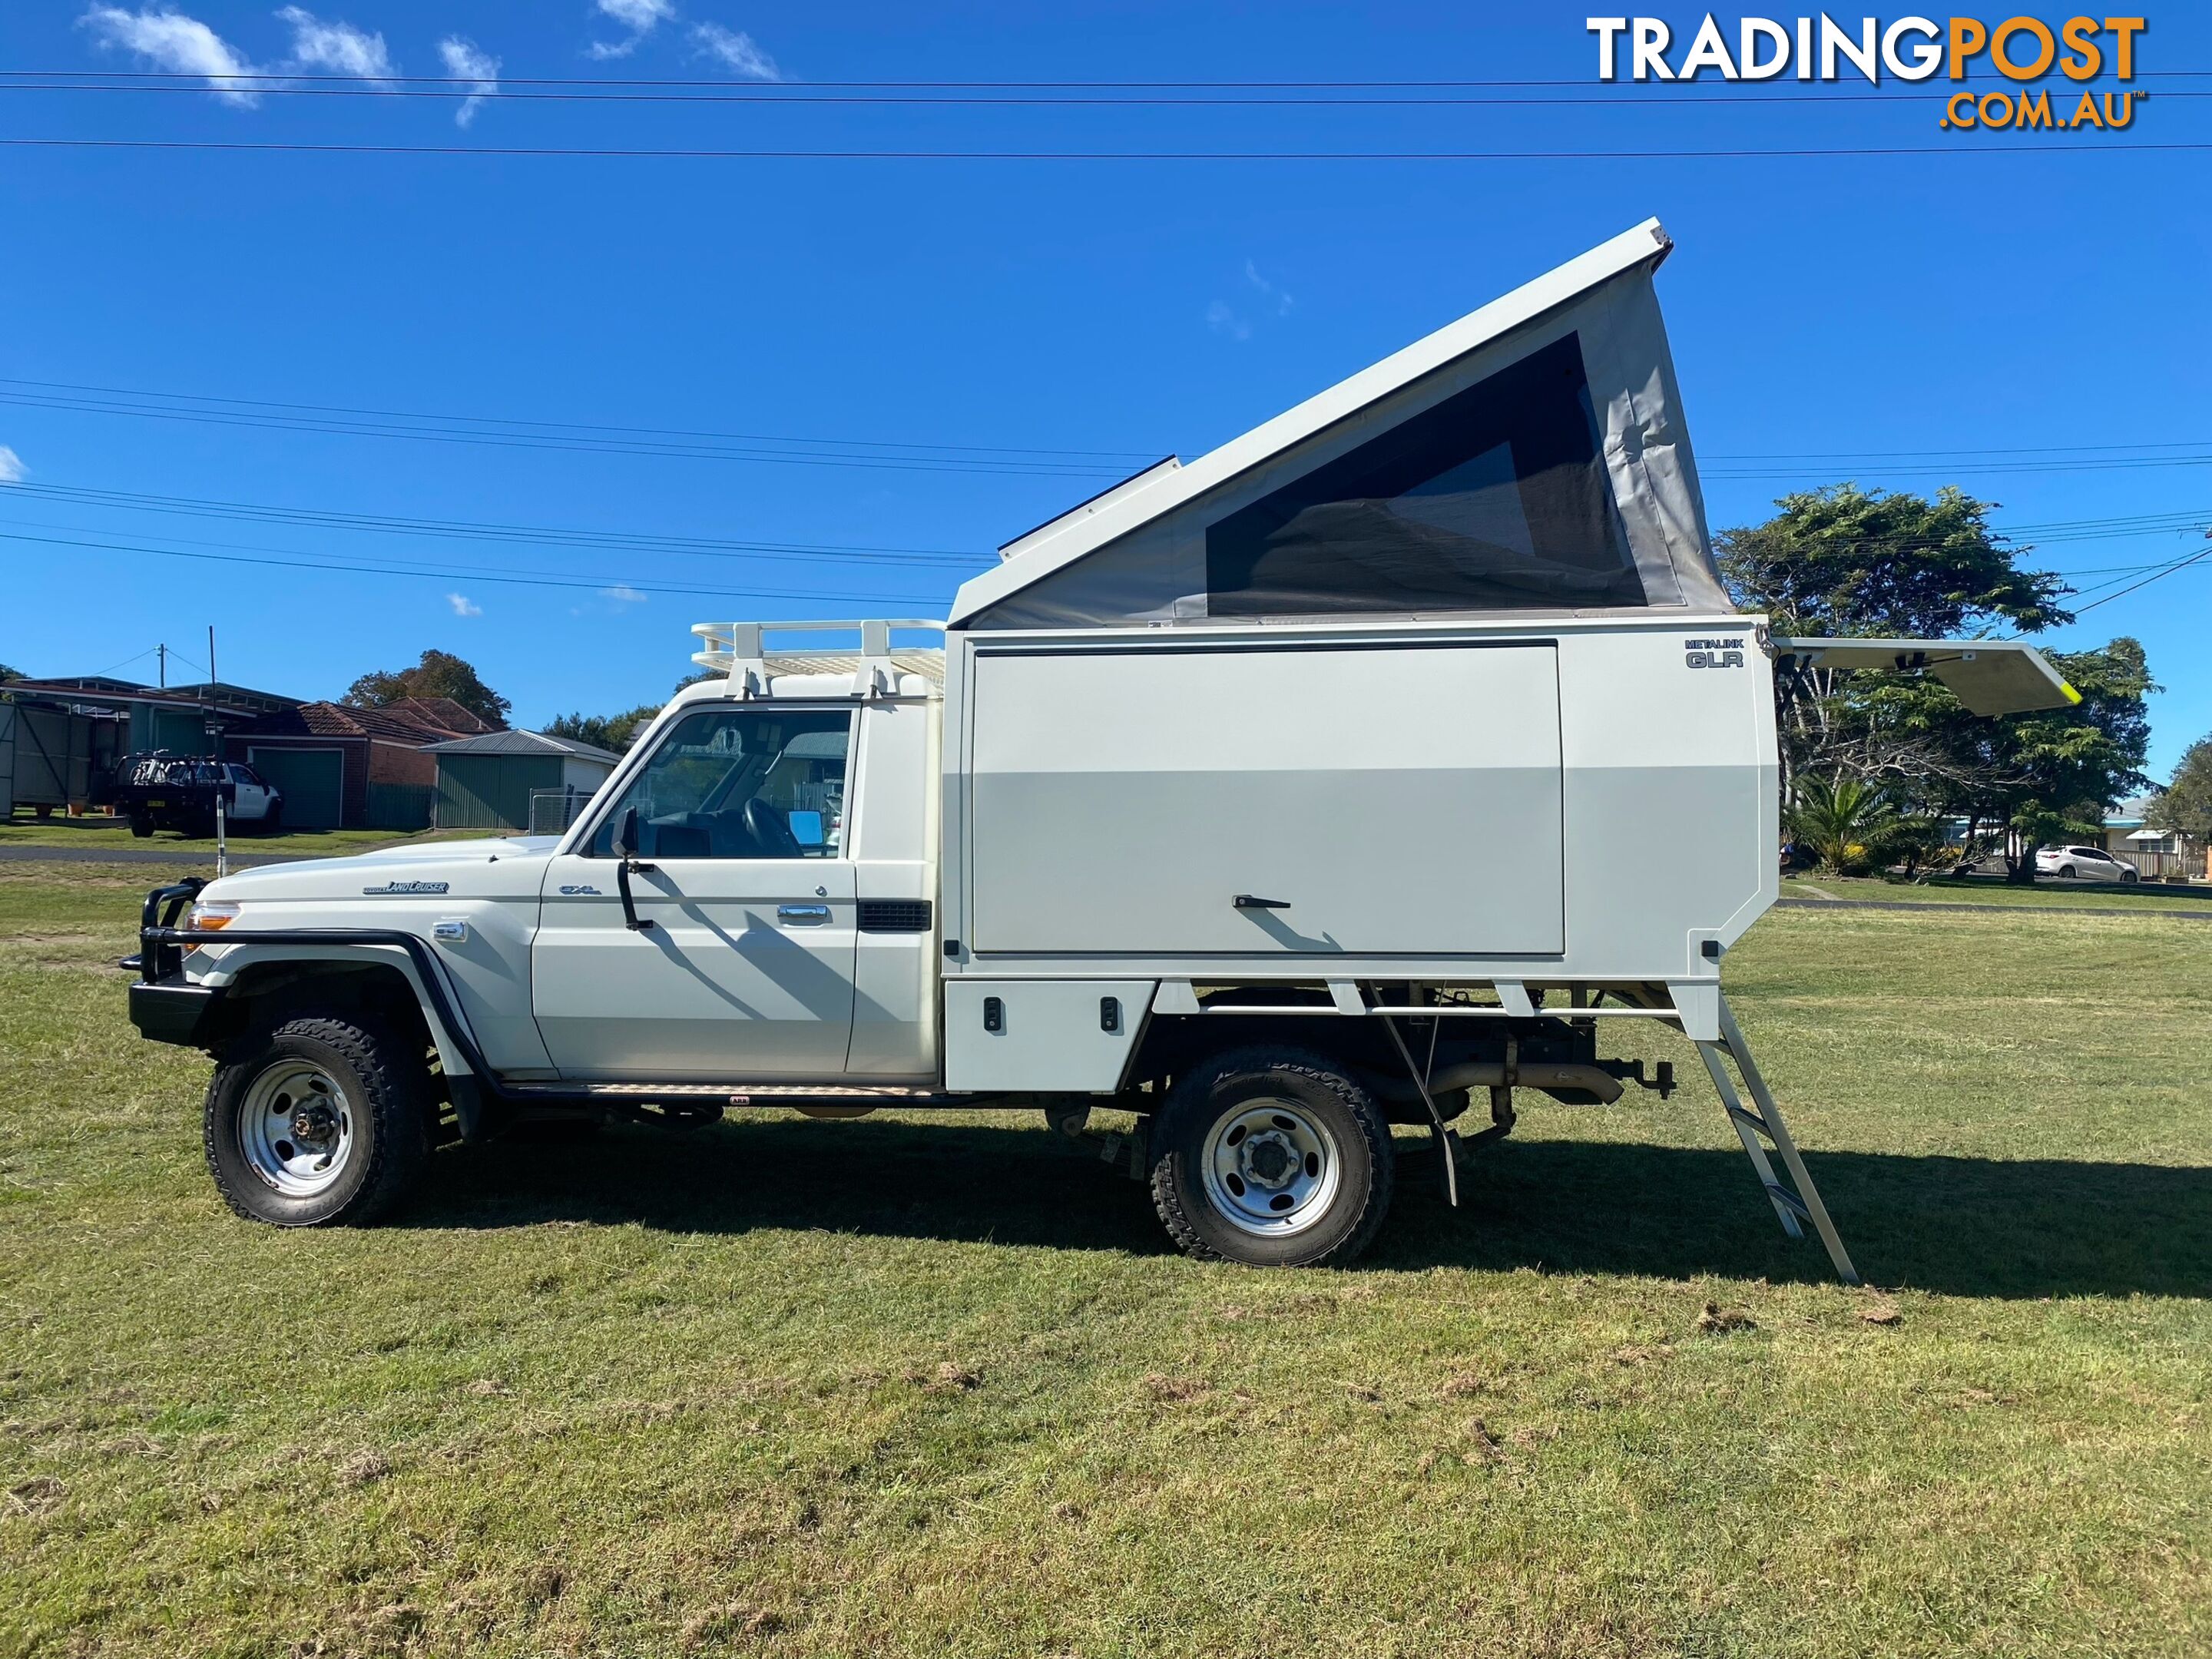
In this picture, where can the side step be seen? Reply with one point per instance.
(737, 1094)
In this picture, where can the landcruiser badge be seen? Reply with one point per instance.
(408, 887)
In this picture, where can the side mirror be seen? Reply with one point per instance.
(626, 834)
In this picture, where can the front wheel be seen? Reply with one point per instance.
(319, 1121)
(2127, 876)
(1271, 1157)
(272, 821)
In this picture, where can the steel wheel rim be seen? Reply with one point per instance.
(1271, 1168)
(296, 1128)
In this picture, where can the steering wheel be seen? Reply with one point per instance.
(771, 830)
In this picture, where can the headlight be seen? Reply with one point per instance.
(211, 916)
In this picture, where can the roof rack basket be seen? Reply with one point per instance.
(739, 650)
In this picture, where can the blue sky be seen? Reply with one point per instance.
(1037, 324)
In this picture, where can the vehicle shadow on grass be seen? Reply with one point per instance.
(1964, 1226)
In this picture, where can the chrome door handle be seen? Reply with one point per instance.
(803, 912)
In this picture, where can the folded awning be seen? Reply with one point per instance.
(1990, 677)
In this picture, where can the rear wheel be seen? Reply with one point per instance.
(316, 1123)
(1271, 1157)
(141, 825)
(2068, 872)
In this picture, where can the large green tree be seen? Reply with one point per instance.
(614, 731)
(2185, 807)
(611, 731)
(1844, 562)
(440, 674)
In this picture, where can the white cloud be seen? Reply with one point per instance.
(639, 17)
(466, 61)
(622, 593)
(464, 605)
(1272, 297)
(177, 44)
(12, 469)
(1223, 317)
(736, 51)
(338, 48)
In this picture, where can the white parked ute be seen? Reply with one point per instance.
(1386, 758)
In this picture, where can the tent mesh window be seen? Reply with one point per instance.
(1497, 498)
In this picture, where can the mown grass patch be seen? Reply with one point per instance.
(928, 1386)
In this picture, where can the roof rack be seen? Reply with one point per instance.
(739, 650)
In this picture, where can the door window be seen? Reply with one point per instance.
(740, 783)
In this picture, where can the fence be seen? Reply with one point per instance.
(552, 810)
(400, 806)
(2161, 867)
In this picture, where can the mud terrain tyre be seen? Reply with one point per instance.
(318, 1121)
(1273, 1157)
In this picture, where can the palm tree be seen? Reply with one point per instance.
(1845, 823)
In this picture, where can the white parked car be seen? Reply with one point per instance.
(2083, 863)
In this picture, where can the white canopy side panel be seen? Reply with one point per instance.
(1454, 479)
(1124, 796)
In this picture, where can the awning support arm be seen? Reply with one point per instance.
(1435, 1118)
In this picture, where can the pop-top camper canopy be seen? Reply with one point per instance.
(1529, 458)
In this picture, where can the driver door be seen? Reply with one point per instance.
(744, 971)
(250, 798)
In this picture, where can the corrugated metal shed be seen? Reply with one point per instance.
(485, 782)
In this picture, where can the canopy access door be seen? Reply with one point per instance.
(1371, 796)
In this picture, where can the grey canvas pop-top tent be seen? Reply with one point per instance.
(1530, 458)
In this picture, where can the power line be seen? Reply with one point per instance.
(2044, 533)
(1745, 475)
(591, 426)
(457, 572)
(520, 436)
(1923, 454)
(601, 583)
(199, 78)
(468, 529)
(611, 153)
(1629, 96)
(2175, 568)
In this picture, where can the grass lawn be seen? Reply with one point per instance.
(785, 1388)
(98, 832)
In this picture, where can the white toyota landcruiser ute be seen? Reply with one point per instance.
(1385, 758)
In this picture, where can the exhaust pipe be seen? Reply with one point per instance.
(1550, 1076)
